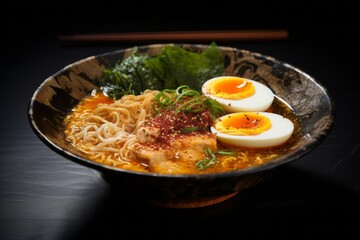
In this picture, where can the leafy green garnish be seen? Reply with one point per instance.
(178, 66)
(185, 99)
(226, 152)
(130, 76)
(209, 161)
(172, 67)
(189, 129)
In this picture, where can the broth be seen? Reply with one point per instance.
(111, 128)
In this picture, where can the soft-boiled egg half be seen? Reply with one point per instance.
(253, 129)
(238, 94)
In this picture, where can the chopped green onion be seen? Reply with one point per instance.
(189, 129)
(226, 152)
(194, 102)
(191, 101)
(209, 161)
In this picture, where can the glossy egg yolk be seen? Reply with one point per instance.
(253, 129)
(237, 94)
(232, 88)
(243, 124)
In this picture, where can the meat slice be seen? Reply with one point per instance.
(180, 156)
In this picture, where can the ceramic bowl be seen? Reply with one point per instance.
(59, 93)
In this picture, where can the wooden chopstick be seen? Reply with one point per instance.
(179, 36)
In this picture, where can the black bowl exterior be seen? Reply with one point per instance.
(58, 94)
(181, 191)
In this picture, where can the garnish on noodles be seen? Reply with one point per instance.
(160, 131)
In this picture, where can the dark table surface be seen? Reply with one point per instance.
(45, 196)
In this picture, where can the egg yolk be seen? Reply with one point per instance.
(243, 124)
(232, 88)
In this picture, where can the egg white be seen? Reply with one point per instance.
(259, 101)
(280, 131)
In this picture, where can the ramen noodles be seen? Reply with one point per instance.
(158, 131)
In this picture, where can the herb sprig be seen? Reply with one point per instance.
(173, 66)
(185, 99)
(211, 158)
(209, 161)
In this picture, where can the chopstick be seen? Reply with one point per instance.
(241, 35)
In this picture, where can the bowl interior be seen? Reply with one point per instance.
(59, 93)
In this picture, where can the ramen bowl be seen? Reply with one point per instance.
(59, 93)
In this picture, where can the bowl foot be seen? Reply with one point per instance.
(192, 203)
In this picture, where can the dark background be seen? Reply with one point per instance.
(44, 196)
(325, 20)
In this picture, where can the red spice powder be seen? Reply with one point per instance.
(173, 125)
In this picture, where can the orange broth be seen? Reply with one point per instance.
(243, 157)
